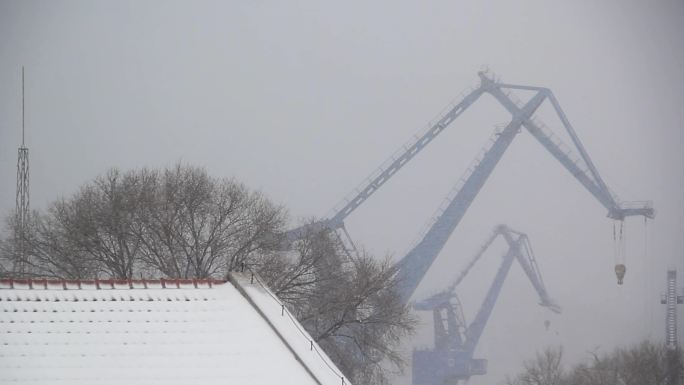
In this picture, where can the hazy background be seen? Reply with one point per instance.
(302, 100)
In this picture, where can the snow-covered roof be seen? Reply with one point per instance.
(154, 332)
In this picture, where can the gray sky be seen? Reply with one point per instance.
(302, 100)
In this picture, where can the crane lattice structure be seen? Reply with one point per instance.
(414, 265)
(671, 298)
(417, 261)
(451, 360)
(22, 198)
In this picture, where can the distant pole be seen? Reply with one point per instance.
(22, 199)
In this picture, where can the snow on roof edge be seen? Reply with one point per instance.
(106, 284)
(276, 314)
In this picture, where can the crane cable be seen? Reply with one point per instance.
(619, 242)
(623, 243)
(648, 282)
(615, 256)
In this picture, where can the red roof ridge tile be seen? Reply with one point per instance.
(70, 284)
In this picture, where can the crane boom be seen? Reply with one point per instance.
(385, 172)
(416, 263)
(410, 151)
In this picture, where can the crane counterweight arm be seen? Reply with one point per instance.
(589, 177)
(603, 196)
(597, 188)
(578, 144)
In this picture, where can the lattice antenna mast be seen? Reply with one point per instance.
(671, 298)
(22, 199)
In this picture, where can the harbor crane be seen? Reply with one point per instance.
(574, 158)
(451, 360)
(413, 266)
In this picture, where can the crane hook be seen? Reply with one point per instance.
(620, 270)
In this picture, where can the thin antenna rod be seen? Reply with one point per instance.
(22, 107)
(22, 213)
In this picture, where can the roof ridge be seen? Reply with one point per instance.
(67, 284)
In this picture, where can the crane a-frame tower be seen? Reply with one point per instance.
(573, 157)
(413, 266)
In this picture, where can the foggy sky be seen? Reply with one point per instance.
(302, 100)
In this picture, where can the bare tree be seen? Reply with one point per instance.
(197, 226)
(642, 364)
(178, 222)
(347, 303)
(545, 369)
(85, 235)
(47, 250)
(100, 218)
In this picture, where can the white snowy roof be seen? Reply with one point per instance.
(154, 332)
